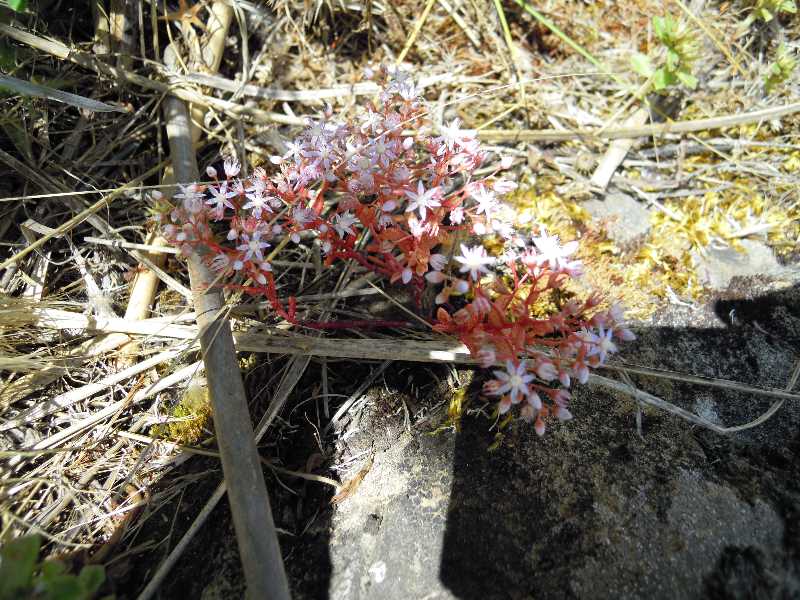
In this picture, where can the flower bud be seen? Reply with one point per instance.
(461, 316)
(231, 166)
(582, 373)
(486, 357)
(457, 215)
(503, 186)
(481, 305)
(437, 261)
(435, 276)
(560, 397)
(546, 370)
(563, 377)
(562, 414)
(626, 335)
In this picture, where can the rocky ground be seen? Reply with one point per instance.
(597, 508)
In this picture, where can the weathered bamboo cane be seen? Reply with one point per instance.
(252, 517)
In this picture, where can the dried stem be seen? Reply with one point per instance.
(252, 517)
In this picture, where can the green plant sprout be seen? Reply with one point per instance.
(766, 10)
(22, 576)
(18, 5)
(781, 70)
(680, 51)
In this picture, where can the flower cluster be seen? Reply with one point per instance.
(542, 354)
(406, 205)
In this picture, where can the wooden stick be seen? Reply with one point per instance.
(441, 350)
(616, 153)
(143, 293)
(247, 491)
(88, 61)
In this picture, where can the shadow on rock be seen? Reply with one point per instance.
(594, 510)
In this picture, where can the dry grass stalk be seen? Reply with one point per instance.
(432, 350)
(116, 407)
(415, 32)
(143, 293)
(26, 385)
(71, 397)
(64, 52)
(80, 217)
(657, 129)
(366, 88)
(122, 32)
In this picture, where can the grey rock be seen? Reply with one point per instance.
(718, 266)
(386, 539)
(592, 510)
(627, 219)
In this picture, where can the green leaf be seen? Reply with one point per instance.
(659, 27)
(17, 565)
(787, 6)
(18, 5)
(687, 79)
(53, 568)
(662, 79)
(28, 88)
(641, 64)
(673, 60)
(91, 578)
(63, 587)
(664, 29)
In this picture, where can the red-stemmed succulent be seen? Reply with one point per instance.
(408, 206)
